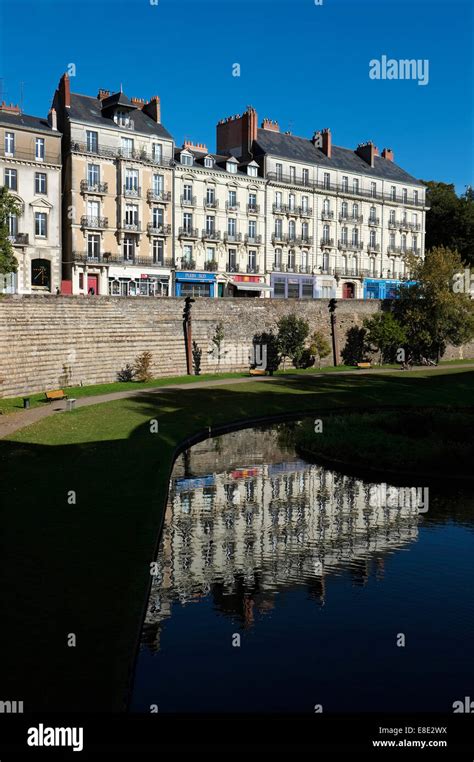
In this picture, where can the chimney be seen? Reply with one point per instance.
(65, 91)
(152, 108)
(53, 119)
(9, 109)
(367, 152)
(102, 94)
(138, 102)
(269, 124)
(387, 153)
(199, 147)
(236, 134)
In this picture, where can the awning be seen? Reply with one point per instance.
(244, 286)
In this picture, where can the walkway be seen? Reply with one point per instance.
(14, 421)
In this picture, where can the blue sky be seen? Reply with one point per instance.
(307, 66)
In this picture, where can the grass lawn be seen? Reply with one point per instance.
(83, 567)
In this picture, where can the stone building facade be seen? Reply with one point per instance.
(30, 167)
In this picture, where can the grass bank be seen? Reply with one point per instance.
(81, 565)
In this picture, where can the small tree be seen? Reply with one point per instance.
(319, 346)
(197, 354)
(292, 334)
(125, 374)
(8, 206)
(354, 350)
(385, 335)
(217, 340)
(142, 367)
(269, 350)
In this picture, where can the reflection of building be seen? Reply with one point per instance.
(30, 167)
(242, 534)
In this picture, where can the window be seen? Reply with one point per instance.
(415, 197)
(231, 166)
(92, 141)
(404, 216)
(127, 147)
(210, 195)
(415, 244)
(355, 185)
(158, 251)
(404, 243)
(372, 216)
(231, 226)
(414, 218)
(131, 214)
(355, 211)
(187, 192)
(355, 266)
(372, 265)
(252, 200)
(187, 253)
(186, 159)
(305, 231)
(404, 195)
(326, 233)
(187, 222)
(393, 193)
(307, 289)
(41, 224)
(41, 273)
(210, 226)
(292, 174)
(93, 246)
(326, 261)
(392, 240)
(355, 237)
(304, 260)
(252, 229)
(157, 152)
(93, 210)
(210, 254)
(128, 249)
(40, 182)
(209, 162)
(278, 256)
(279, 171)
(9, 144)
(278, 229)
(304, 203)
(305, 177)
(11, 181)
(292, 230)
(279, 288)
(291, 202)
(232, 199)
(291, 259)
(278, 200)
(158, 184)
(344, 264)
(293, 289)
(372, 238)
(12, 222)
(344, 209)
(252, 171)
(232, 263)
(392, 216)
(252, 261)
(157, 216)
(93, 175)
(373, 189)
(131, 181)
(326, 206)
(327, 180)
(39, 149)
(345, 183)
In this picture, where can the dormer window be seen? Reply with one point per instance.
(252, 169)
(231, 165)
(186, 159)
(209, 162)
(122, 118)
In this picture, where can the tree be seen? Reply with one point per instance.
(354, 350)
(385, 335)
(217, 340)
(432, 311)
(8, 206)
(142, 367)
(450, 219)
(292, 334)
(319, 346)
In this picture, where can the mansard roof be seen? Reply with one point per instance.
(87, 109)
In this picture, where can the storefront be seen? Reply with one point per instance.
(195, 284)
(380, 288)
(302, 286)
(248, 286)
(142, 284)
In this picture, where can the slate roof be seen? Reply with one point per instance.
(35, 123)
(219, 159)
(302, 150)
(85, 108)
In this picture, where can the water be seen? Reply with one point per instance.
(320, 585)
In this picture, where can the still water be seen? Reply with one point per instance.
(282, 587)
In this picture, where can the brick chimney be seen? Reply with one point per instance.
(367, 152)
(269, 124)
(9, 109)
(153, 109)
(138, 102)
(64, 89)
(199, 147)
(103, 94)
(387, 153)
(53, 119)
(236, 134)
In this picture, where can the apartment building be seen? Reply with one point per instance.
(117, 194)
(339, 222)
(30, 167)
(219, 225)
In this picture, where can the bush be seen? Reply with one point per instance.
(305, 359)
(268, 353)
(126, 374)
(142, 367)
(197, 354)
(292, 334)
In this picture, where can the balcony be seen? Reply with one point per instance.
(350, 246)
(98, 223)
(393, 224)
(394, 250)
(19, 239)
(211, 235)
(232, 207)
(308, 212)
(278, 208)
(116, 152)
(292, 211)
(415, 227)
(211, 203)
(253, 240)
(132, 192)
(232, 267)
(98, 189)
(305, 269)
(159, 197)
(304, 240)
(327, 215)
(188, 200)
(107, 258)
(49, 158)
(211, 266)
(132, 226)
(158, 229)
(187, 232)
(252, 269)
(253, 209)
(232, 237)
(187, 264)
(373, 221)
(375, 248)
(354, 219)
(327, 242)
(280, 177)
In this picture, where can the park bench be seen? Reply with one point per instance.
(257, 372)
(57, 394)
(364, 364)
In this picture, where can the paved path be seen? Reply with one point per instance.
(14, 421)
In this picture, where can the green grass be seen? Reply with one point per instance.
(83, 568)
(428, 441)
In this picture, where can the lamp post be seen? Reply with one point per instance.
(335, 344)
(187, 328)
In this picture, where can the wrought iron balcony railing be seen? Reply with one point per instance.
(252, 269)
(350, 245)
(232, 207)
(162, 197)
(327, 215)
(253, 208)
(373, 247)
(96, 188)
(211, 235)
(94, 222)
(188, 200)
(187, 264)
(187, 232)
(373, 221)
(133, 192)
(327, 242)
(254, 240)
(107, 258)
(158, 229)
(211, 203)
(232, 237)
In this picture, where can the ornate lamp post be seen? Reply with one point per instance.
(187, 328)
(335, 344)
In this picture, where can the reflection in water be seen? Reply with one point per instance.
(247, 521)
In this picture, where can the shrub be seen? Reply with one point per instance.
(197, 354)
(126, 374)
(142, 367)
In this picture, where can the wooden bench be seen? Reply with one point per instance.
(364, 364)
(57, 394)
(257, 372)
